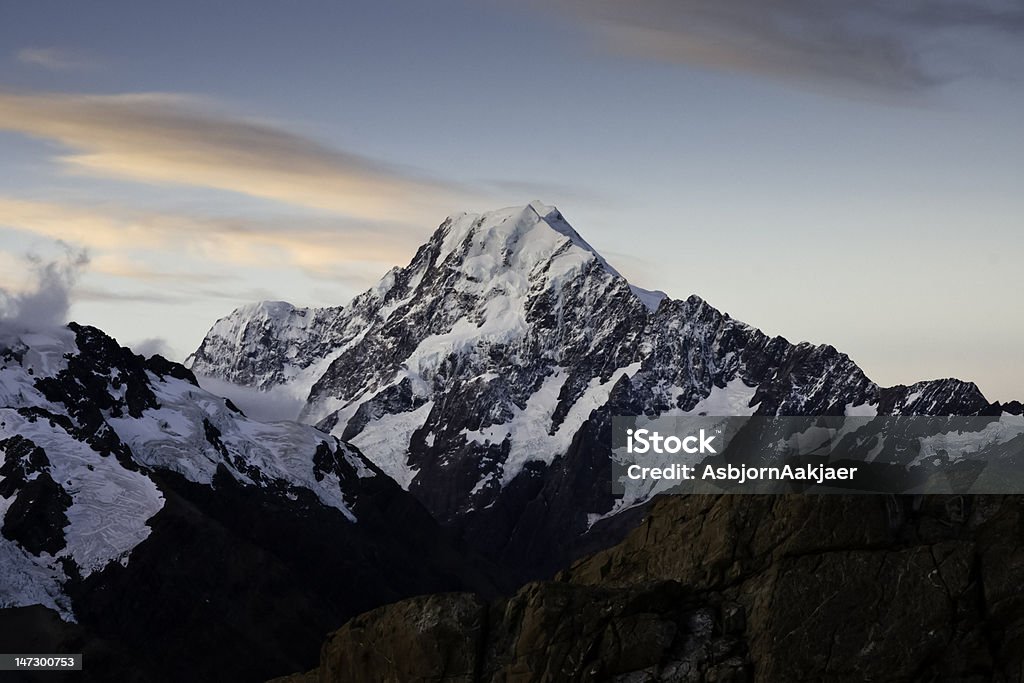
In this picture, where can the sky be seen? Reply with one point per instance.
(831, 171)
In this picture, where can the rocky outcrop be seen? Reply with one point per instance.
(546, 632)
(796, 588)
(865, 588)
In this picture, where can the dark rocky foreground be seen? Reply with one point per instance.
(735, 588)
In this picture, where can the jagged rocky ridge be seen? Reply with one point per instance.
(483, 377)
(177, 539)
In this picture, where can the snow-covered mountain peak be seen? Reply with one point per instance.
(483, 376)
(517, 237)
(268, 343)
(274, 310)
(524, 237)
(510, 251)
(480, 279)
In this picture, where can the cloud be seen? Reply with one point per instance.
(263, 406)
(867, 44)
(152, 347)
(122, 266)
(123, 238)
(45, 303)
(180, 140)
(53, 58)
(100, 294)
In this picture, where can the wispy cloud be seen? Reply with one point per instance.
(872, 44)
(321, 247)
(181, 140)
(121, 265)
(152, 346)
(103, 295)
(54, 58)
(264, 406)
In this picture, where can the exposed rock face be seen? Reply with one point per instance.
(867, 588)
(739, 588)
(483, 377)
(438, 637)
(546, 632)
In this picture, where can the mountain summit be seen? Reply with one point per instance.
(494, 310)
(483, 376)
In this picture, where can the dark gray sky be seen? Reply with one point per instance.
(833, 171)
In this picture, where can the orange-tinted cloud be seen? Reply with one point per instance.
(118, 235)
(180, 140)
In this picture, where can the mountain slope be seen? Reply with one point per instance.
(483, 377)
(162, 520)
